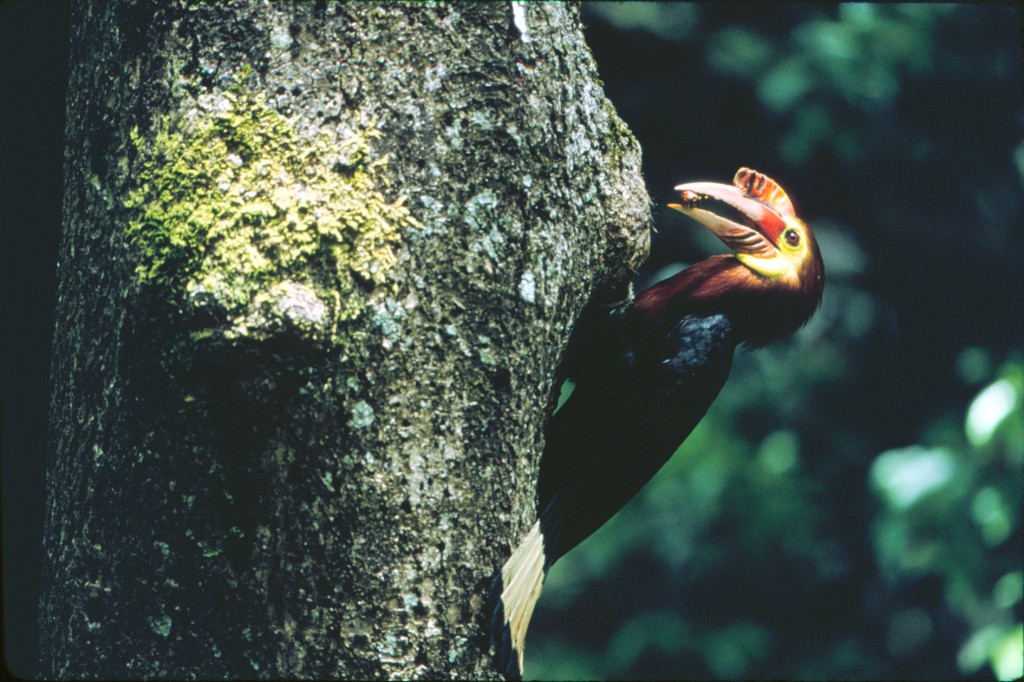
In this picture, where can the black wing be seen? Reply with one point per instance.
(622, 424)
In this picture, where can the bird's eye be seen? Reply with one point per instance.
(792, 237)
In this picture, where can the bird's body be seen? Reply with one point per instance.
(646, 372)
(646, 399)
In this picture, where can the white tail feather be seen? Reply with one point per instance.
(522, 577)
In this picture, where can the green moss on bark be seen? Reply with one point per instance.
(236, 215)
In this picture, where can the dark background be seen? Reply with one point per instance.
(851, 506)
(33, 78)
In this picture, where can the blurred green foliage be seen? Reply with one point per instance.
(851, 506)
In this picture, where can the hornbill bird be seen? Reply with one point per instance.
(647, 370)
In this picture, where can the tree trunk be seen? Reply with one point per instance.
(318, 267)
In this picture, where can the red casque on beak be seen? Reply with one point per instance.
(759, 200)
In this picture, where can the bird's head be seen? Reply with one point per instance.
(782, 276)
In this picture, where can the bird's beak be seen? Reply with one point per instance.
(763, 226)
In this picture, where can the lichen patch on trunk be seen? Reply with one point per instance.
(254, 228)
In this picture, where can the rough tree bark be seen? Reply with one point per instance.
(319, 263)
